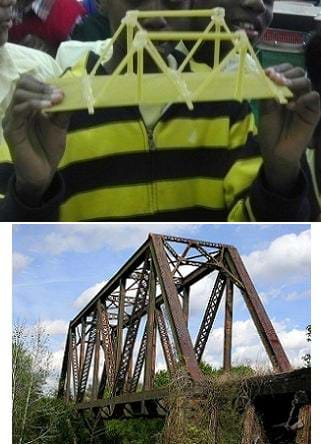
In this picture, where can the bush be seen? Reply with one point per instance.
(134, 431)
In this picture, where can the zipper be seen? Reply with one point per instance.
(150, 138)
(152, 147)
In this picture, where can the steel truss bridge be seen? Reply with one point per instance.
(142, 312)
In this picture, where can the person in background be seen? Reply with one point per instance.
(94, 26)
(16, 60)
(313, 154)
(161, 163)
(44, 24)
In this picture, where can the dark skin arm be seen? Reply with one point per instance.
(285, 131)
(36, 140)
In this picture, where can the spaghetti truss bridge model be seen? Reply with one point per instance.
(234, 75)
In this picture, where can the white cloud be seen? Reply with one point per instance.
(90, 237)
(287, 257)
(87, 295)
(56, 359)
(55, 327)
(200, 294)
(247, 346)
(20, 261)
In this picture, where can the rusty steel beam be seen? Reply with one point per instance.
(151, 333)
(261, 320)
(209, 316)
(97, 353)
(120, 322)
(69, 368)
(186, 299)
(107, 346)
(228, 325)
(184, 240)
(74, 362)
(181, 335)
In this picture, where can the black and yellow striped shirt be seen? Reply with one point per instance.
(199, 165)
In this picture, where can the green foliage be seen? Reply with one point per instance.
(134, 431)
(37, 415)
(162, 378)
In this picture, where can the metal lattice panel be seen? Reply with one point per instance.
(87, 362)
(209, 316)
(132, 329)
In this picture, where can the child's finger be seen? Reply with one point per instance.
(307, 107)
(279, 68)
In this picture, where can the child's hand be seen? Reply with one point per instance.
(286, 131)
(36, 141)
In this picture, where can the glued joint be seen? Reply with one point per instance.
(130, 18)
(140, 40)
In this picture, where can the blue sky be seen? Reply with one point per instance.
(58, 268)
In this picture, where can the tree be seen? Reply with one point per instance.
(38, 416)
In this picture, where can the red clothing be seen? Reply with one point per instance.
(60, 22)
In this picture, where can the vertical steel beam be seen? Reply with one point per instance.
(69, 367)
(97, 353)
(150, 351)
(120, 321)
(82, 344)
(74, 359)
(181, 335)
(228, 325)
(108, 373)
(261, 320)
(186, 298)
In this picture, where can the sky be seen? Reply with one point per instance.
(57, 269)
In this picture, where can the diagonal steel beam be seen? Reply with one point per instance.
(261, 320)
(166, 345)
(209, 316)
(139, 362)
(176, 316)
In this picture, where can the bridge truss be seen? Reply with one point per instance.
(130, 84)
(142, 312)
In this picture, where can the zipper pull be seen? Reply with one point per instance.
(151, 141)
